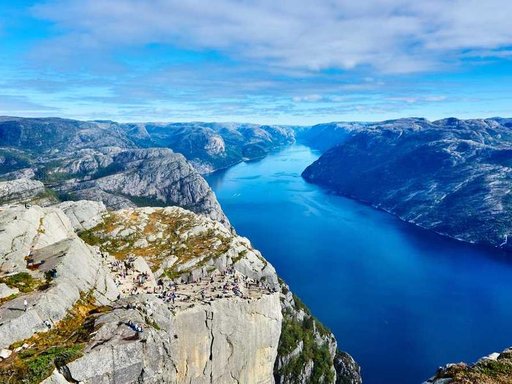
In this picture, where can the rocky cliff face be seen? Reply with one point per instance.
(25, 191)
(99, 161)
(146, 295)
(451, 176)
(308, 352)
(146, 177)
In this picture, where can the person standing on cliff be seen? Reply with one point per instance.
(25, 305)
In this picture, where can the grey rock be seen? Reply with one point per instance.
(492, 369)
(20, 190)
(99, 161)
(49, 238)
(83, 214)
(6, 291)
(5, 353)
(347, 370)
(148, 177)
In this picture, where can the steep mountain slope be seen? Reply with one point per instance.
(451, 176)
(149, 295)
(47, 136)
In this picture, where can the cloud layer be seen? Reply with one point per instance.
(286, 61)
(392, 36)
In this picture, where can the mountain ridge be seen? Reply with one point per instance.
(449, 176)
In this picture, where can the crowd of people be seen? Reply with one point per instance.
(129, 279)
(185, 294)
(218, 284)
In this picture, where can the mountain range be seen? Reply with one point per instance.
(451, 176)
(86, 195)
(118, 265)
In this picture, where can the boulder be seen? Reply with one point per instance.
(5, 291)
(5, 353)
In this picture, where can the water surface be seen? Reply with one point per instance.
(401, 300)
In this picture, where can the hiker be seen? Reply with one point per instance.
(48, 324)
(25, 304)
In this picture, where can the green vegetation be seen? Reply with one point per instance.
(48, 194)
(141, 201)
(205, 245)
(61, 345)
(240, 256)
(12, 160)
(110, 169)
(47, 174)
(484, 372)
(37, 367)
(8, 298)
(293, 332)
(25, 282)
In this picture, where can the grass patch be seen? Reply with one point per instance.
(8, 298)
(142, 201)
(205, 245)
(59, 346)
(240, 256)
(484, 372)
(292, 333)
(24, 282)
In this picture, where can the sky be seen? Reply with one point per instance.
(296, 62)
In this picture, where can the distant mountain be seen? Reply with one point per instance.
(325, 136)
(451, 176)
(212, 146)
(125, 165)
(100, 161)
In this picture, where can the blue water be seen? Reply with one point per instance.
(401, 300)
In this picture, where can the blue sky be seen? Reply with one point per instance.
(262, 61)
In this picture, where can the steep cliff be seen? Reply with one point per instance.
(146, 295)
(145, 177)
(308, 352)
(209, 308)
(325, 136)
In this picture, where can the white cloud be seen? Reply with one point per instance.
(307, 98)
(392, 36)
(10, 104)
(418, 99)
